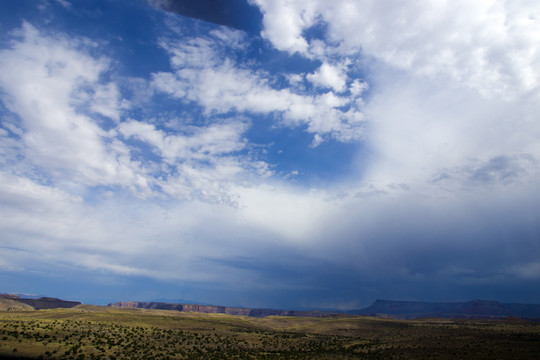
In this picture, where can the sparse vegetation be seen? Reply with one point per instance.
(91, 332)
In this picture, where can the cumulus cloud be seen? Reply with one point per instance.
(452, 79)
(284, 27)
(422, 130)
(204, 76)
(56, 91)
(43, 88)
(486, 45)
(330, 77)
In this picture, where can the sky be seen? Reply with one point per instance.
(271, 153)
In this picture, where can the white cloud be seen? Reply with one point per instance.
(358, 87)
(55, 90)
(422, 130)
(44, 227)
(328, 76)
(452, 84)
(220, 85)
(486, 45)
(64, 3)
(284, 27)
(528, 271)
(201, 162)
(292, 214)
(43, 87)
(317, 140)
(202, 143)
(169, 83)
(105, 101)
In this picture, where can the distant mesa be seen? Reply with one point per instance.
(215, 309)
(475, 309)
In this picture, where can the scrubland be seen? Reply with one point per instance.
(93, 332)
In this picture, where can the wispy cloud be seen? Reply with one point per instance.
(50, 78)
(206, 76)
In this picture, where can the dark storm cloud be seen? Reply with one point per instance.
(237, 14)
(453, 250)
(502, 168)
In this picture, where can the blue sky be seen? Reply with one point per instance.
(289, 154)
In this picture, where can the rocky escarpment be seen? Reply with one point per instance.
(214, 309)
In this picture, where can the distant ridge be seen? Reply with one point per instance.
(15, 302)
(475, 309)
(49, 303)
(215, 309)
(175, 301)
(9, 296)
(8, 302)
